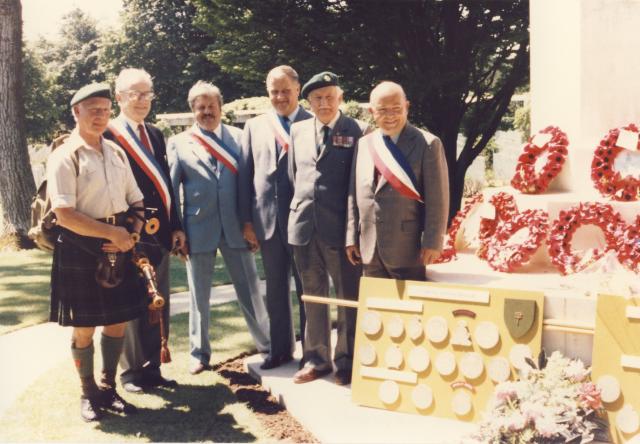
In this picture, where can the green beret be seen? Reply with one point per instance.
(320, 80)
(91, 90)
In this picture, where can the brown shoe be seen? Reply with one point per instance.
(343, 377)
(309, 374)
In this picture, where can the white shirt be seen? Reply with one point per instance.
(319, 125)
(103, 183)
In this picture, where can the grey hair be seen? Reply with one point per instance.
(386, 86)
(202, 88)
(129, 76)
(286, 70)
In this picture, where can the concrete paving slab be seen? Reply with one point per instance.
(326, 410)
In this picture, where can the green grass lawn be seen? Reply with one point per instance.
(24, 286)
(203, 408)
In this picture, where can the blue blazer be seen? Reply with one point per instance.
(209, 192)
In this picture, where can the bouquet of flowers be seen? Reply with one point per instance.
(554, 402)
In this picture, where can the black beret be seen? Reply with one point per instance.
(320, 80)
(91, 90)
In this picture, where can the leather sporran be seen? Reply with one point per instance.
(110, 269)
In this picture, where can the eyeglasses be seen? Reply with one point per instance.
(137, 95)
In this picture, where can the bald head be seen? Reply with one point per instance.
(389, 107)
(386, 88)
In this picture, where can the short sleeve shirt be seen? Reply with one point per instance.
(95, 184)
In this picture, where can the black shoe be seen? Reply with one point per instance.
(90, 408)
(275, 361)
(342, 377)
(132, 387)
(159, 381)
(114, 402)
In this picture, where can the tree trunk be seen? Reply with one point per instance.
(16, 180)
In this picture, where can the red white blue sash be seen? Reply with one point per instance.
(216, 147)
(393, 166)
(129, 140)
(279, 132)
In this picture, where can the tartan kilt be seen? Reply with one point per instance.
(76, 297)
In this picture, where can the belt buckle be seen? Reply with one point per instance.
(111, 220)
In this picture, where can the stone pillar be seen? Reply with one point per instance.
(585, 75)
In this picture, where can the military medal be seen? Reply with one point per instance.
(152, 226)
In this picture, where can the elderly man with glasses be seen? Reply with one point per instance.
(145, 148)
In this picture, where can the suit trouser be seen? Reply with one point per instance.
(277, 260)
(141, 351)
(316, 261)
(377, 268)
(241, 265)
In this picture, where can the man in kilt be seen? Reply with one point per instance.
(91, 186)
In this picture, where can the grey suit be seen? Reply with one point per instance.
(390, 228)
(264, 195)
(209, 214)
(317, 233)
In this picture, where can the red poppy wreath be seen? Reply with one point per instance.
(449, 250)
(608, 182)
(564, 227)
(628, 250)
(506, 207)
(531, 178)
(507, 256)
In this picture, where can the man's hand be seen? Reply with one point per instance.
(353, 254)
(250, 236)
(121, 241)
(428, 256)
(179, 242)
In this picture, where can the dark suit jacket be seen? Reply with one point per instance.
(380, 216)
(151, 196)
(264, 190)
(321, 181)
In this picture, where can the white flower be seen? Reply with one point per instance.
(546, 426)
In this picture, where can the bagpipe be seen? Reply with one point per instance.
(111, 267)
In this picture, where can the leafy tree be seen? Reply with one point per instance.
(16, 181)
(159, 36)
(41, 111)
(459, 61)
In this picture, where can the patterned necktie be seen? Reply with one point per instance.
(144, 138)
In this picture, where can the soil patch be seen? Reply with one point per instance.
(275, 418)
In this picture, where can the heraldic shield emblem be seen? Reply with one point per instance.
(519, 315)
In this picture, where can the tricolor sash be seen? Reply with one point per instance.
(280, 133)
(393, 166)
(216, 147)
(131, 143)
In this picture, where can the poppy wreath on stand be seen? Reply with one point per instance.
(508, 257)
(628, 249)
(608, 182)
(531, 180)
(564, 227)
(449, 250)
(505, 208)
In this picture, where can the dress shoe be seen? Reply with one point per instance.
(132, 387)
(275, 361)
(343, 377)
(90, 408)
(199, 367)
(309, 374)
(156, 380)
(115, 403)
